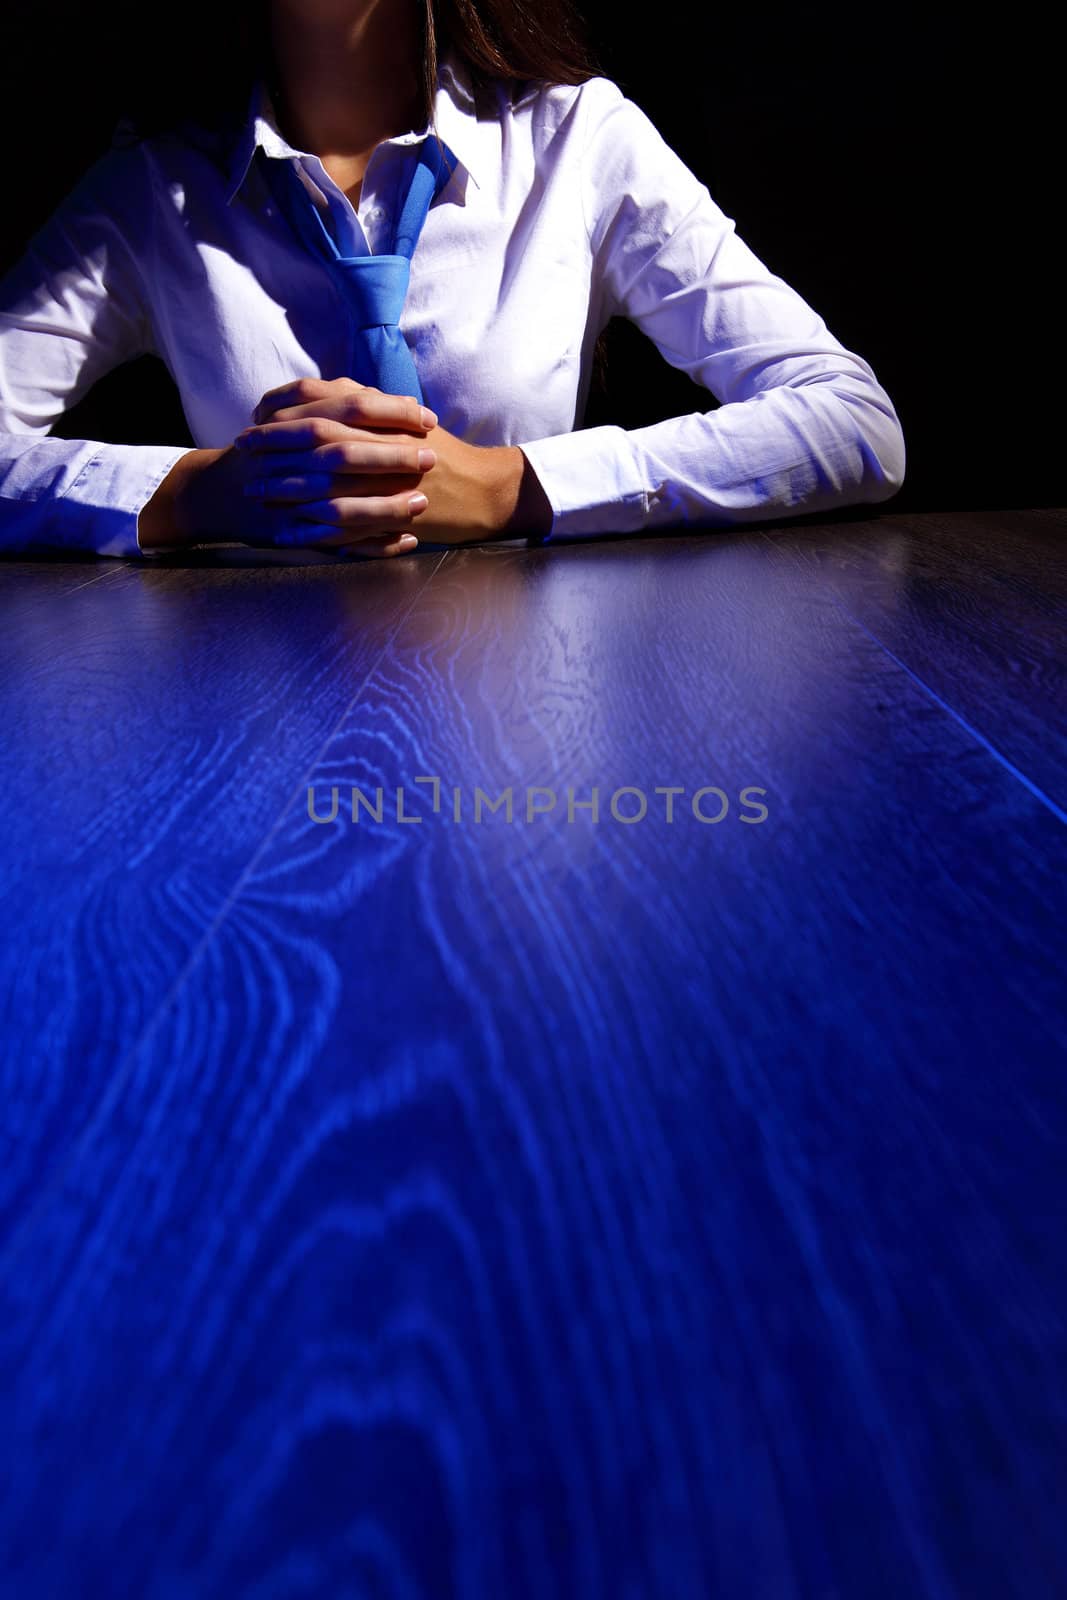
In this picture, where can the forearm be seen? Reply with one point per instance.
(785, 453)
(76, 494)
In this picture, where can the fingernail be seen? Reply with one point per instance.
(417, 502)
(408, 541)
(429, 418)
(426, 459)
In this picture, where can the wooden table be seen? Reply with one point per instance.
(551, 1207)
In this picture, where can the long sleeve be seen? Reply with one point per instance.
(72, 308)
(803, 424)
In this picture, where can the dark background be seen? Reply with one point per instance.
(897, 170)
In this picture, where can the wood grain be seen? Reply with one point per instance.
(976, 608)
(551, 1207)
(155, 723)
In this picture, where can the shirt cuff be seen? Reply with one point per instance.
(101, 508)
(591, 480)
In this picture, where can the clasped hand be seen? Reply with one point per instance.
(335, 464)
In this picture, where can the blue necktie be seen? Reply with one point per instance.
(374, 287)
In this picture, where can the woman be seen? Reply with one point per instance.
(559, 207)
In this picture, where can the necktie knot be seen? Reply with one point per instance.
(376, 288)
(373, 288)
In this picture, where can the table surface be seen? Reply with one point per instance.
(556, 1206)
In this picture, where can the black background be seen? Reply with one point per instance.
(899, 170)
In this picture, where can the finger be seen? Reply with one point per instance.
(357, 407)
(272, 491)
(294, 488)
(307, 434)
(380, 545)
(348, 456)
(301, 434)
(295, 392)
(357, 455)
(351, 519)
(372, 545)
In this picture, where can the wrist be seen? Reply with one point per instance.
(173, 518)
(522, 508)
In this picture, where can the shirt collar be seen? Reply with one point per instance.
(453, 110)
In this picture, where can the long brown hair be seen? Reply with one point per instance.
(508, 39)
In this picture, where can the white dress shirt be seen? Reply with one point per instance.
(567, 208)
